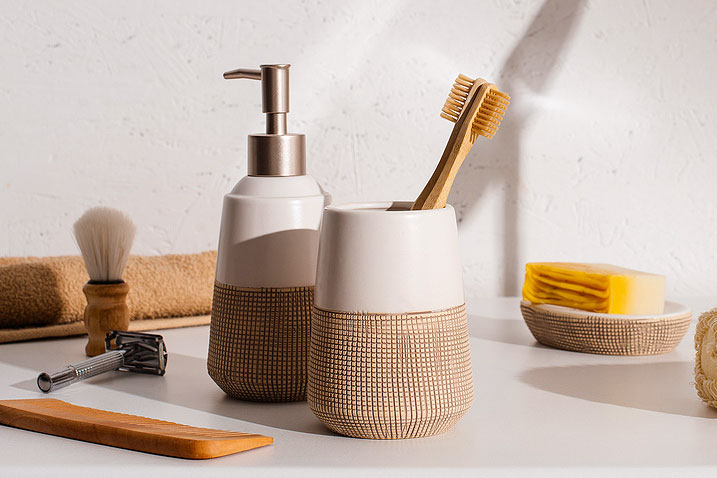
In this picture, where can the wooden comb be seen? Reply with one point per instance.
(55, 417)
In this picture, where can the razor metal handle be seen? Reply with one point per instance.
(106, 362)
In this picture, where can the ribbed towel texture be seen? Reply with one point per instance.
(38, 292)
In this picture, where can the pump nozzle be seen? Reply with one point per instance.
(243, 73)
(276, 153)
(274, 93)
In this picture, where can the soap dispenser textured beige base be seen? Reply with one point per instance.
(259, 342)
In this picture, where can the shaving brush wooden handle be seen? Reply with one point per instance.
(106, 310)
(104, 236)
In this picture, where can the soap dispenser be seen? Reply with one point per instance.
(266, 259)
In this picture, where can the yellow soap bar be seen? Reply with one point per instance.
(595, 287)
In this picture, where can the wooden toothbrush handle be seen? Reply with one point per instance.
(435, 193)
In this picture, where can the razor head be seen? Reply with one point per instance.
(143, 353)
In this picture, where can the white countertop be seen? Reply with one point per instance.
(539, 410)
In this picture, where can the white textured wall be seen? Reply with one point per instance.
(607, 152)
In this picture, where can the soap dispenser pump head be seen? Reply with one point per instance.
(275, 153)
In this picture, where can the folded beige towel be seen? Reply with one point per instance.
(42, 296)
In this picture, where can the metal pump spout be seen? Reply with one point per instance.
(276, 153)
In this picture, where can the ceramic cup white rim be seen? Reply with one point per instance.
(381, 257)
(383, 207)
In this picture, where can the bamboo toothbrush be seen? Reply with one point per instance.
(477, 108)
(105, 238)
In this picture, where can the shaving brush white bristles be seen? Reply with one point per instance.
(105, 237)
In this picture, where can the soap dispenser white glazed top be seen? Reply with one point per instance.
(266, 260)
(270, 220)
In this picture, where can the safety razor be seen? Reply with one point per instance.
(125, 351)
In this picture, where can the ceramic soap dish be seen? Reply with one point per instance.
(608, 334)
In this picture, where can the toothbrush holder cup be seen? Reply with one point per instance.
(389, 355)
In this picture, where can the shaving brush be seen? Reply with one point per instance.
(104, 236)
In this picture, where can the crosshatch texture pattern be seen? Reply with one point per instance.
(390, 376)
(601, 335)
(259, 342)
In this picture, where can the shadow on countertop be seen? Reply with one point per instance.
(507, 331)
(189, 386)
(664, 387)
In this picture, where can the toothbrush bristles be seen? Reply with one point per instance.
(490, 113)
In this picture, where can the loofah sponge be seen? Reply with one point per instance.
(706, 357)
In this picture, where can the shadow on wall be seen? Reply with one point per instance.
(664, 387)
(529, 68)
